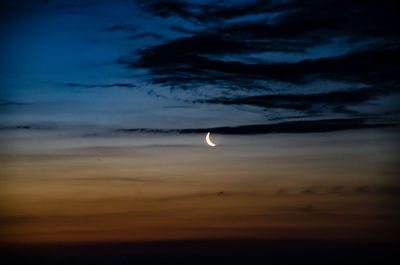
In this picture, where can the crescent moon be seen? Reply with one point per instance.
(209, 141)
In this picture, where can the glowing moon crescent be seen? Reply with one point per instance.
(209, 141)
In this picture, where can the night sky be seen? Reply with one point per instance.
(105, 106)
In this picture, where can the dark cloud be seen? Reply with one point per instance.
(183, 30)
(305, 102)
(28, 127)
(127, 85)
(362, 189)
(227, 46)
(289, 27)
(309, 192)
(327, 125)
(145, 35)
(4, 102)
(337, 189)
(294, 18)
(148, 130)
(307, 209)
(346, 191)
(169, 8)
(180, 197)
(112, 179)
(216, 12)
(120, 27)
(382, 66)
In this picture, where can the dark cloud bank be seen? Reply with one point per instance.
(297, 25)
(249, 29)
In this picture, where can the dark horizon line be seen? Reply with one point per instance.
(200, 240)
(237, 250)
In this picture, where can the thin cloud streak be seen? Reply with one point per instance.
(315, 126)
(127, 85)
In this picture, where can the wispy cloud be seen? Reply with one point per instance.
(145, 35)
(28, 127)
(336, 100)
(347, 191)
(327, 125)
(4, 102)
(127, 85)
(122, 27)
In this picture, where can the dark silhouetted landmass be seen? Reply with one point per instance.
(232, 251)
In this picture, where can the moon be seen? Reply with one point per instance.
(209, 141)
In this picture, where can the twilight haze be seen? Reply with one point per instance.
(105, 107)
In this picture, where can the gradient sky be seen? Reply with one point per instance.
(104, 106)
